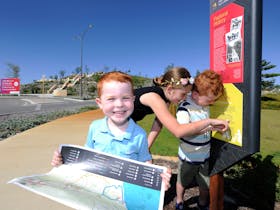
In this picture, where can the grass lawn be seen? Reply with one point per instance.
(270, 134)
(167, 145)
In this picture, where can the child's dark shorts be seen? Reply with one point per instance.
(187, 172)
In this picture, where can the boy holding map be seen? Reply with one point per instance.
(117, 133)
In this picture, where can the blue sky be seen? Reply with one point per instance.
(143, 36)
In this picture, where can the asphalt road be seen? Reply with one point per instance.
(25, 104)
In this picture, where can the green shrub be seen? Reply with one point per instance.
(13, 126)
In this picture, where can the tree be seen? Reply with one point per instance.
(77, 70)
(267, 81)
(13, 70)
(62, 73)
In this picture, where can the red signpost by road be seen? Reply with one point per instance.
(10, 86)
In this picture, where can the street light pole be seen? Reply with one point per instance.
(81, 37)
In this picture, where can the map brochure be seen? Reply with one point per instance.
(93, 180)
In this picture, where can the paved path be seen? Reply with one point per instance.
(30, 153)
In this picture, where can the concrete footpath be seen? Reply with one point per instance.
(31, 151)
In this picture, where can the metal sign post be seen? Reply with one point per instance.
(235, 53)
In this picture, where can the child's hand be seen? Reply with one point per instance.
(220, 125)
(166, 178)
(57, 159)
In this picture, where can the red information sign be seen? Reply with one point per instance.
(10, 86)
(227, 43)
(235, 53)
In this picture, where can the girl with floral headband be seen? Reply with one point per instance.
(172, 87)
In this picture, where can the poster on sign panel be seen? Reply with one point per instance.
(10, 86)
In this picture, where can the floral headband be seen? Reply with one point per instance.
(185, 81)
(182, 81)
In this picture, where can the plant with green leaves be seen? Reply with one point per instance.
(267, 79)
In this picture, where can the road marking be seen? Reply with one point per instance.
(30, 101)
(73, 99)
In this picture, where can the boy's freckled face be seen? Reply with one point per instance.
(117, 101)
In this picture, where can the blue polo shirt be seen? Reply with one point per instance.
(133, 144)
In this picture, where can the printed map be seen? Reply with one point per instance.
(80, 189)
